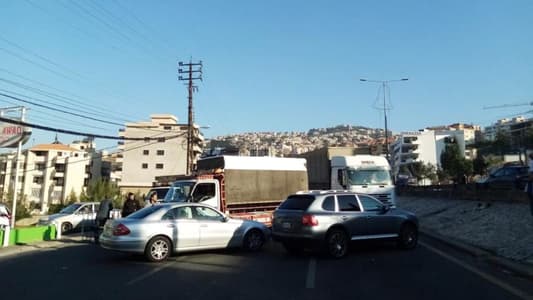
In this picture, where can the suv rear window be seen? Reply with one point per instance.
(297, 202)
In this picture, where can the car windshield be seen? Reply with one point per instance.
(161, 193)
(179, 192)
(142, 213)
(369, 177)
(70, 209)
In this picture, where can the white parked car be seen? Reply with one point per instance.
(74, 216)
(5, 216)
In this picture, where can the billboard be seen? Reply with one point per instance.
(11, 134)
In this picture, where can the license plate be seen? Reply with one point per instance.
(286, 225)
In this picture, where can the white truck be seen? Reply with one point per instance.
(243, 187)
(343, 168)
(367, 174)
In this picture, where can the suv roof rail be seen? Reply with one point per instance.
(321, 192)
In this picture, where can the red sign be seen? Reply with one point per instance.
(11, 135)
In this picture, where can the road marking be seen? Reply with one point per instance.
(481, 274)
(311, 271)
(152, 272)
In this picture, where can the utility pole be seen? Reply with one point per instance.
(191, 69)
(385, 87)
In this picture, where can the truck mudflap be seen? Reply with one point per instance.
(262, 217)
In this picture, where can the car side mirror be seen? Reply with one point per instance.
(385, 208)
(225, 219)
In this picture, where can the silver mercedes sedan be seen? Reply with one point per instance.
(162, 229)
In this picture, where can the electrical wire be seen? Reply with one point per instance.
(59, 130)
(65, 92)
(101, 155)
(52, 108)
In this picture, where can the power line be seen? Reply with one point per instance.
(58, 130)
(69, 24)
(101, 155)
(52, 108)
(35, 63)
(49, 61)
(113, 29)
(143, 24)
(61, 99)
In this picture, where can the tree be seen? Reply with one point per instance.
(101, 189)
(423, 171)
(479, 165)
(454, 164)
(72, 197)
(502, 143)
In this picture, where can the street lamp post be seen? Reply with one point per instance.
(385, 86)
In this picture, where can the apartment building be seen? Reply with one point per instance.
(424, 146)
(48, 173)
(163, 151)
(507, 125)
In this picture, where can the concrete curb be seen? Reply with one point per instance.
(39, 246)
(522, 269)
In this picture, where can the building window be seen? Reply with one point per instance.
(36, 192)
(59, 153)
(167, 127)
(87, 169)
(82, 147)
(59, 181)
(40, 153)
(56, 195)
(38, 179)
(159, 166)
(146, 152)
(161, 140)
(60, 168)
(160, 152)
(76, 154)
(85, 182)
(145, 166)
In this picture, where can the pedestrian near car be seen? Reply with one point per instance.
(106, 206)
(152, 200)
(130, 206)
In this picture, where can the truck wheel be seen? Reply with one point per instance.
(337, 243)
(158, 249)
(66, 227)
(253, 240)
(408, 237)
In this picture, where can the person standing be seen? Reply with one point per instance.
(106, 206)
(130, 206)
(152, 200)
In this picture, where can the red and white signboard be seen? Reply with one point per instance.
(11, 135)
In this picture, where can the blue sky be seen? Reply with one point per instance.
(270, 65)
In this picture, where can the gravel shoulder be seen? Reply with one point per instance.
(505, 229)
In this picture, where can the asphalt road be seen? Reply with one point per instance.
(371, 271)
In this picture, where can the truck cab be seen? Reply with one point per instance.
(366, 174)
(206, 191)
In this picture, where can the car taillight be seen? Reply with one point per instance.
(309, 220)
(121, 229)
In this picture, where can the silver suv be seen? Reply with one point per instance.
(331, 219)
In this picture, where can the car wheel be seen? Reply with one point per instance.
(254, 240)
(158, 249)
(293, 249)
(337, 243)
(66, 227)
(408, 237)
